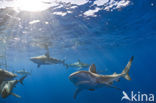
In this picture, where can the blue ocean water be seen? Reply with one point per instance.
(107, 38)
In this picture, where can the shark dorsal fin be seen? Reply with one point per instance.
(79, 60)
(114, 73)
(92, 68)
(47, 54)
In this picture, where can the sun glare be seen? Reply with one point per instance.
(30, 5)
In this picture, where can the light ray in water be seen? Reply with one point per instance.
(30, 5)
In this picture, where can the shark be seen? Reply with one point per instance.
(91, 80)
(6, 75)
(78, 64)
(6, 87)
(23, 72)
(46, 60)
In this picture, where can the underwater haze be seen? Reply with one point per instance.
(106, 33)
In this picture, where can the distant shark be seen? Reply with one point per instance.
(6, 75)
(90, 80)
(6, 87)
(23, 72)
(46, 60)
(78, 64)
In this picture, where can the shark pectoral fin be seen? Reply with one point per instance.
(117, 80)
(92, 68)
(38, 65)
(108, 85)
(15, 95)
(78, 90)
(91, 89)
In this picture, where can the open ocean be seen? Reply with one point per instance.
(101, 32)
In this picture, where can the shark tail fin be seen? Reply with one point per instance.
(21, 80)
(67, 66)
(38, 65)
(127, 68)
(63, 61)
(31, 72)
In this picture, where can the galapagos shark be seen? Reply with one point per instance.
(90, 80)
(46, 60)
(6, 75)
(78, 64)
(23, 72)
(6, 87)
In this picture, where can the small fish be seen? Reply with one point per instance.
(90, 80)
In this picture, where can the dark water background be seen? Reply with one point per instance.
(108, 40)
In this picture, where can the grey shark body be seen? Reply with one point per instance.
(6, 75)
(23, 72)
(6, 87)
(78, 64)
(46, 60)
(90, 80)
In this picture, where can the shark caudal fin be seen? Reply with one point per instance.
(21, 80)
(127, 68)
(38, 65)
(66, 65)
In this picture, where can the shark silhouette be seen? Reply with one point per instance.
(91, 80)
(6, 87)
(78, 64)
(46, 60)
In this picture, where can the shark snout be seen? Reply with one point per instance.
(5, 92)
(71, 77)
(32, 59)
